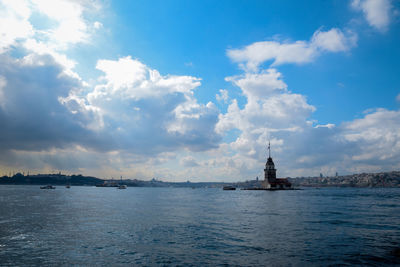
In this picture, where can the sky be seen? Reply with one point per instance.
(195, 90)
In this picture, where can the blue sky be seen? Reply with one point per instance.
(194, 90)
(187, 37)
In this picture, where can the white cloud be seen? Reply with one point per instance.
(123, 73)
(70, 27)
(259, 85)
(269, 105)
(42, 49)
(299, 146)
(368, 144)
(398, 98)
(135, 80)
(18, 7)
(146, 111)
(377, 12)
(61, 24)
(299, 52)
(333, 40)
(329, 126)
(97, 25)
(255, 54)
(271, 113)
(14, 24)
(377, 136)
(58, 9)
(223, 96)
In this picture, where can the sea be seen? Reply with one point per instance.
(92, 226)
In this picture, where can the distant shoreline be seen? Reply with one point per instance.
(381, 180)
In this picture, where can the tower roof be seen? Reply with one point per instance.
(269, 162)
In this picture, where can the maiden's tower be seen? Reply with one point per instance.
(270, 180)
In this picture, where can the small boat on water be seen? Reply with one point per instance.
(67, 186)
(121, 186)
(107, 184)
(229, 187)
(48, 187)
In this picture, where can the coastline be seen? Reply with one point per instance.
(363, 180)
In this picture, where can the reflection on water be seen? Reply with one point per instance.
(171, 226)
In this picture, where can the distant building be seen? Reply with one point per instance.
(270, 180)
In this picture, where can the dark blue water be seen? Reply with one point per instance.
(201, 227)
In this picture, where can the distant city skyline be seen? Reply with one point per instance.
(195, 90)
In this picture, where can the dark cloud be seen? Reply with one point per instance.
(31, 116)
(41, 108)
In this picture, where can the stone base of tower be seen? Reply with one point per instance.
(278, 184)
(266, 185)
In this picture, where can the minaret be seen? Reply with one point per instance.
(269, 171)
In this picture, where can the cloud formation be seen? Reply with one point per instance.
(299, 145)
(141, 123)
(272, 112)
(298, 52)
(31, 116)
(131, 114)
(144, 113)
(223, 96)
(64, 26)
(152, 112)
(376, 12)
(45, 113)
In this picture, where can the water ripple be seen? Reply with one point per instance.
(210, 227)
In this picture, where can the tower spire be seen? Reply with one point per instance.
(269, 149)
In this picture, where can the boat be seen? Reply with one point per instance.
(121, 186)
(67, 186)
(229, 187)
(48, 187)
(107, 184)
